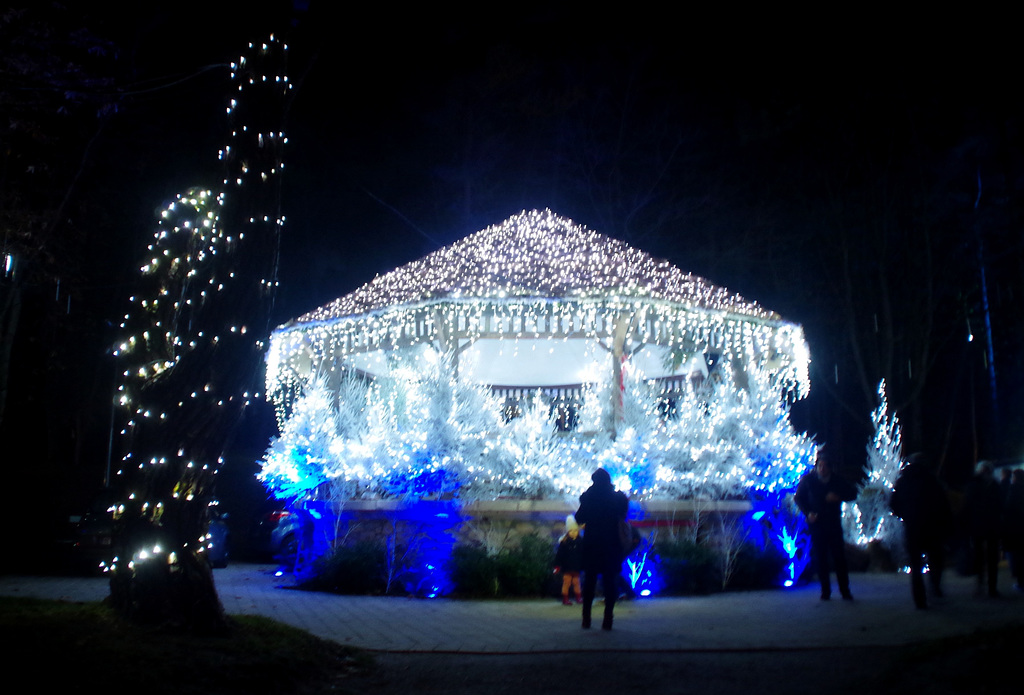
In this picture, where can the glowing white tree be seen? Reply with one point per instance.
(304, 456)
(778, 454)
(427, 432)
(869, 517)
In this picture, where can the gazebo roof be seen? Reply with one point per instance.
(536, 301)
(535, 255)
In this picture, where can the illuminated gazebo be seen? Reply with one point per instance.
(539, 302)
(480, 385)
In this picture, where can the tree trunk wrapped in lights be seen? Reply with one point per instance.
(192, 350)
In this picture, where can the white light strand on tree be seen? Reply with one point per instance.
(197, 323)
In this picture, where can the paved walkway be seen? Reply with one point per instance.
(881, 615)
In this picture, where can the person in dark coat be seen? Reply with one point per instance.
(820, 496)
(983, 514)
(569, 560)
(1013, 527)
(920, 500)
(602, 508)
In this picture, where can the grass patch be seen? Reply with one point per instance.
(79, 645)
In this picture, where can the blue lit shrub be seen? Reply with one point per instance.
(418, 543)
(642, 569)
(775, 525)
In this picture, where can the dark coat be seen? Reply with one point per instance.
(601, 509)
(1013, 518)
(983, 507)
(811, 495)
(920, 500)
(569, 556)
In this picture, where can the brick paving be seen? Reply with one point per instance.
(881, 615)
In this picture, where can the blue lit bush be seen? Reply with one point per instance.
(642, 569)
(774, 525)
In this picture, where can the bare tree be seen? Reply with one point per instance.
(56, 96)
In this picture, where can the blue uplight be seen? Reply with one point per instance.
(773, 523)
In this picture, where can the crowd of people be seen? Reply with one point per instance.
(992, 515)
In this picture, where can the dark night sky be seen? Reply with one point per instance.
(735, 146)
(415, 130)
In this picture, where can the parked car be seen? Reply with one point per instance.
(92, 535)
(92, 532)
(277, 536)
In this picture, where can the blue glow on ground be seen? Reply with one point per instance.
(426, 547)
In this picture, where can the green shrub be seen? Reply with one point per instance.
(355, 569)
(688, 567)
(473, 572)
(523, 570)
(756, 568)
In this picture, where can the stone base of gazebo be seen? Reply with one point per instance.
(418, 539)
(494, 525)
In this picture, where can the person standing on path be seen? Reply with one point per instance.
(920, 500)
(983, 515)
(569, 560)
(1013, 533)
(602, 509)
(820, 496)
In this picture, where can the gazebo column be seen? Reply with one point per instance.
(447, 338)
(619, 332)
(447, 343)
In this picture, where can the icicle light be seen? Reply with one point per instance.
(544, 297)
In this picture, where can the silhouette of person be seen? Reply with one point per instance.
(820, 496)
(601, 510)
(983, 512)
(1013, 538)
(569, 560)
(920, 500)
